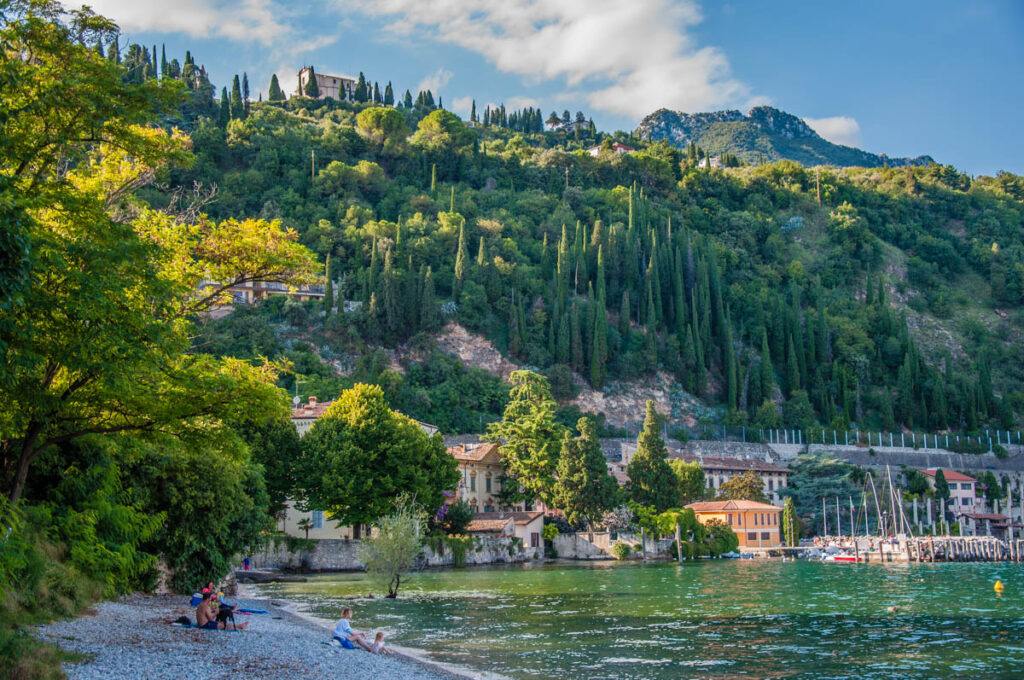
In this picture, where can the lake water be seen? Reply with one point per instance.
(709, 619)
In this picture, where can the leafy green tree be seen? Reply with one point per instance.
(461, 257)
(584, 489)
(214, 506)
(457, 517)
(391, 550)
(274, 92)
(790, 524)
(360, 455)
(361, 93)
(442, 130)
(651, 480)
(275, 445)
(690, 479)
(384, 127)
(529, 437)
(745, 487)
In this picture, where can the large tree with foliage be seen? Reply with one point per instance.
(360, 455)
(690, 479)
(529, 436)
(275, 445)
(746, 487)
(274, 92)
(651, 480)
(584, 489)
(941, 486)
(100, 343)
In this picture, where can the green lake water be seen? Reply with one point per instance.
(710, 619)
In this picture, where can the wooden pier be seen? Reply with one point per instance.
(962, 549)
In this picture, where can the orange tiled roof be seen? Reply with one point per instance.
(519, 517)
(488, 525)
(719, 506)
(950, 475)
(473, 454)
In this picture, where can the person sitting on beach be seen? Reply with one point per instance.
(347, 637)
(378, 645)
(206, 616)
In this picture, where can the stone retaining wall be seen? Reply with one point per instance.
(341, 555)
(598, 545)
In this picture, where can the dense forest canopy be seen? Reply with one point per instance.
(788, 295)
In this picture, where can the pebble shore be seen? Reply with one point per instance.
(131, 639)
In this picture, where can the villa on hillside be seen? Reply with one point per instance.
(336, 87)
(756, 524)
(962, 495)
(481, 475)
(254, 291)
(303, 417)
(616, 147)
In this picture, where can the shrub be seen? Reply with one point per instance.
(620, 550)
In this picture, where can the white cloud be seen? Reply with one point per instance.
(516, 103)
(462, 106)
(435, 81)
(627, 57)
(235, 19)
(837, 129)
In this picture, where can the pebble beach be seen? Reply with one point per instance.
(131, 639)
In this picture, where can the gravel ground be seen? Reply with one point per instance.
(130, 639)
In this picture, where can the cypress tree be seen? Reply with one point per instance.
(472, 112)
(767, 372)
(245, 92)
(599, 353)
(392, 315)
(624, 327)
(389, 95)
(941, 486)
(790, 524)
(225, 107)
(361, 93)
(407, 100)
(792, 369)
(481, 254)
(651, 480)
(584, 490)
(275, 93)
(515, 341)
(562, 341)
(163, 62)
(377, 98)
(237, 107)
(460, 264)
(576, 339)
(433, 178)
(428, 306)
(312, 87)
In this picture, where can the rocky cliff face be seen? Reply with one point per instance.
(765, 133)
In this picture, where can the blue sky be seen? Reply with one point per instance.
(904, 78)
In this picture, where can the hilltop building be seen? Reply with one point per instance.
(342, 88)
(616, 147)
(254, 291)
(756, 524)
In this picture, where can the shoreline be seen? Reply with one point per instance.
(411, 655)
(131, 638)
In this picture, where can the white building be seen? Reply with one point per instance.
(335, 87)
(962, 495)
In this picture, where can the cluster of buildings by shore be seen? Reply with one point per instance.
(757, 525)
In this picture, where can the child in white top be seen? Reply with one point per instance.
(378, 645)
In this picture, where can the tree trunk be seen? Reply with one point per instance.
(643, 543)
(679, 545)
(24, 460)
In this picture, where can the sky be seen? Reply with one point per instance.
(904, 78)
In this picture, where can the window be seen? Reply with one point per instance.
(318, 519)
(488, 484)
(765, 536)
(534, 539)
(730, 519)
(739, 519)
(965, 501)
(751, 536)
(472, 483)
(755, 519)
(771, 484)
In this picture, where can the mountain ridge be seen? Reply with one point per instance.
(765, 133)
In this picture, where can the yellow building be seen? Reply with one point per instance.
(756, 524)
(481, 472)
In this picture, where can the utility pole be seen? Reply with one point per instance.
(312, 167)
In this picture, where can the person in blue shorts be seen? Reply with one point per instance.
(206, 616)
(344, 634)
